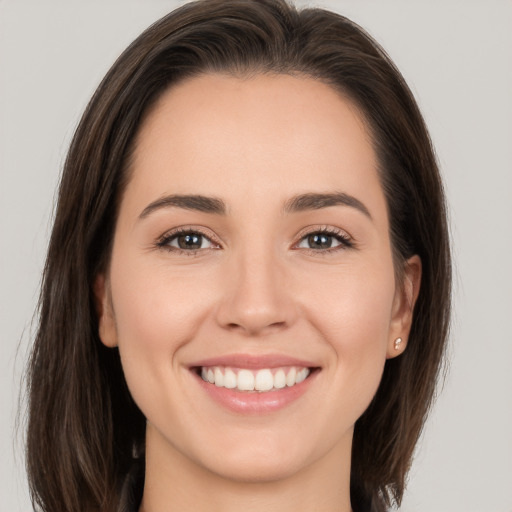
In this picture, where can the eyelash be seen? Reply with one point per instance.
(167, 238)
(345, 241)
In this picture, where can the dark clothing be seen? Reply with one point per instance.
(133, 486)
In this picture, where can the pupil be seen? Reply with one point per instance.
(189, 241)
(320, 241)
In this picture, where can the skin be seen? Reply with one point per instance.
(257, 288)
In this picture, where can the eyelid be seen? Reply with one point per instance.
(163, 240)
(346, 240)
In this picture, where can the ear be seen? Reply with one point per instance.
(403, 307)
(106, 320)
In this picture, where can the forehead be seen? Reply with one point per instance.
(266, 136)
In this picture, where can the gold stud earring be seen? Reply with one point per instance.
(398, 342)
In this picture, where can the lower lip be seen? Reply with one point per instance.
(246, 402)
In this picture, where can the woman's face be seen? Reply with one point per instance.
(252, 250)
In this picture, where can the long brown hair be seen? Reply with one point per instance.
(84, 427)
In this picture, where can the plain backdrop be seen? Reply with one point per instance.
(457, 57)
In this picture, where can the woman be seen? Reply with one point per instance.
(246, 296)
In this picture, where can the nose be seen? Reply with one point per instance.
(256, 299)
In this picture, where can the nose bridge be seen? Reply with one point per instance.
(256, 298)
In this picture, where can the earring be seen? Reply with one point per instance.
(398, 342)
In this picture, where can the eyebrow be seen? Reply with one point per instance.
(314, 201)
(299, 203)
(188, 202)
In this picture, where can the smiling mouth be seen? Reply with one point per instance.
(254, 380)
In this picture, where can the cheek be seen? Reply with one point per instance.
(353, 303)
(352, 311)
(157, 311)
(156, 305)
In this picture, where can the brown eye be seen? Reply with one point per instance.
(320, 241)
(325, 240)
(191, 241)
(187, 241)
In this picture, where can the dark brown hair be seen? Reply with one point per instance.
(84, 427)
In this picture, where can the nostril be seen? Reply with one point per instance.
(255, 328)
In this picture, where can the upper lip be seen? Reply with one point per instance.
(251, 361)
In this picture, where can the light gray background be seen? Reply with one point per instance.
(457, 57)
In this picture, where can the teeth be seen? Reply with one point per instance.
(290, 378)
(219, 377)
(230, 379)
(279, 379)
(245, 380)
(264, 380)
(301, 375)
(254, 380)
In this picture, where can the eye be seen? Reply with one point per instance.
(324, 240)
(187, 241)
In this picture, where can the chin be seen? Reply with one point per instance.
(257, 469)
(252, 456)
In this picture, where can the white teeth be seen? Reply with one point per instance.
(230, 379)
(219, 378)
(279, 379)
(262, 380)
(290, 378)
(245, 380)
(298, 379)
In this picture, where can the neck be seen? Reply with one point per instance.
(174, 482)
